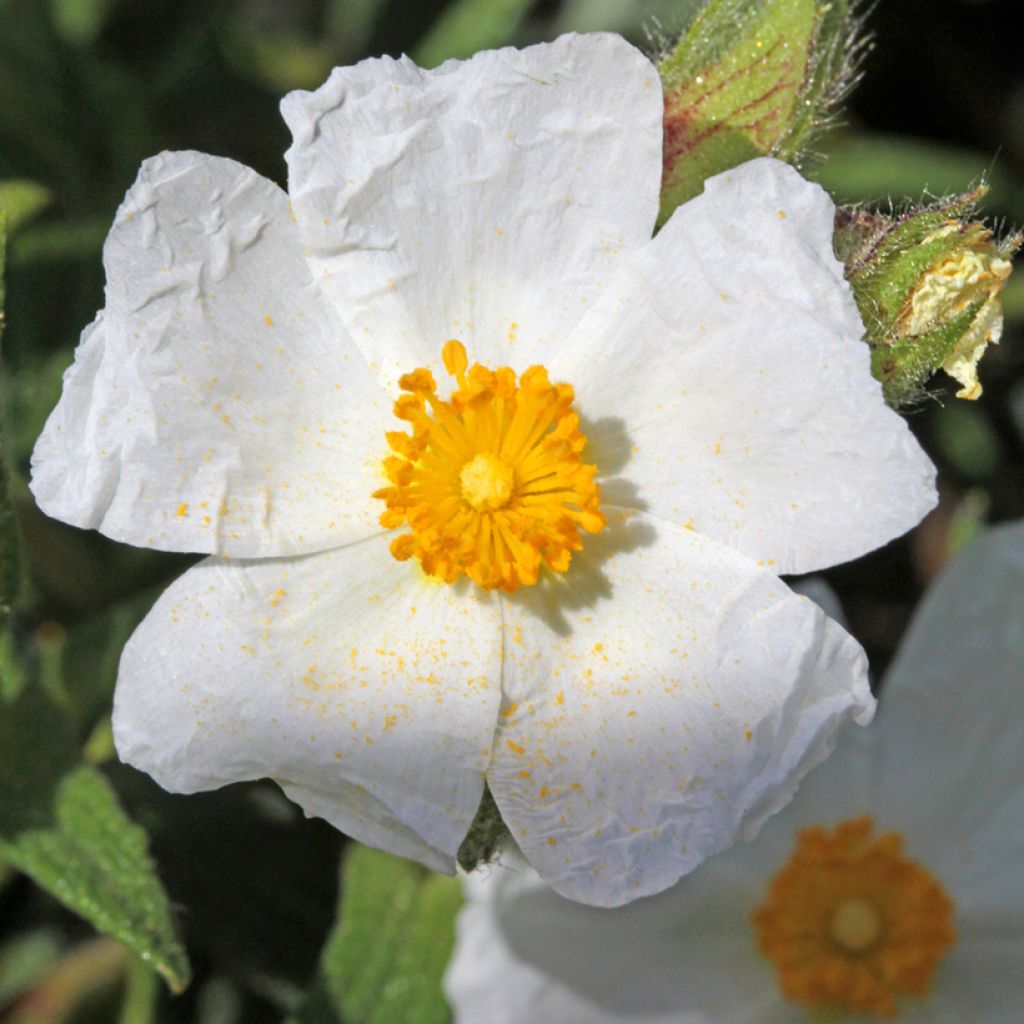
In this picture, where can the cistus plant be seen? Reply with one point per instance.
(430, 500)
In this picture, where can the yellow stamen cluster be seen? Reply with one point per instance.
(850, 922)
(491, 481)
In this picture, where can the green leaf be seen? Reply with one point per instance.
(751, 78)
(967, 441)
(25, 960)
(65, 240)
(61, 824)
(384, 959)
(79, 21)
(22, 201)
(467, 26)
(9, 571)
(90, 655)
(865, 167)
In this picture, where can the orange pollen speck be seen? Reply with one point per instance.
(491, 481)
(851, 923)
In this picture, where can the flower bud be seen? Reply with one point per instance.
(927, 284)
(751, 78)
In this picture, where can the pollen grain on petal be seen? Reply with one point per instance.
(490, 481)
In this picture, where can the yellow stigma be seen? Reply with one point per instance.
(849, 922)
(855, 925)
(491, 481)
(487, 482)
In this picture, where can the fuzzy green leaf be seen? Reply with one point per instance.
(384, 959)
(61, 824)
(751, 78)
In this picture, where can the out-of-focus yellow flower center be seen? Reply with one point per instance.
(850, 922)
(490, 481)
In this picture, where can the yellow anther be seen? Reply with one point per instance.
(418, 381)
(487, 482)
(403, 547)
(453, 354)
(490, 481)
(850, 922)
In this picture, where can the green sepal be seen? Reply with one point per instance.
(751, 78)
(61, 824)
(903, 368)
(385, 957)
(887, 257)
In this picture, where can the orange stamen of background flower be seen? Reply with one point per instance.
(852, 923)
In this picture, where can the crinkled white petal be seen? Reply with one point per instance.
(952, 729)
(661, 701)
(367, 691)
(486, 200)
(216, 404)
(727, 363)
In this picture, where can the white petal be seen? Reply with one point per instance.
(494, 978)
(486, 984)
(485, 200)
(976, 981)
(728, 359)
(216, 404)
(367, 691)
(662, 701)
(952, 728)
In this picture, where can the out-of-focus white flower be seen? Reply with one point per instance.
(894, 882)
(658, 692)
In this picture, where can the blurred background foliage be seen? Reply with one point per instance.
(89, 88)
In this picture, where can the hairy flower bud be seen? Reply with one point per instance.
(751, 78)
(927, 284)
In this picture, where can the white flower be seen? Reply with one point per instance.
(942, 768)
(632, 715)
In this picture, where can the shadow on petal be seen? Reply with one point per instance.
(584, 584)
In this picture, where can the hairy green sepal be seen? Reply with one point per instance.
(887, 258)
(751, 78)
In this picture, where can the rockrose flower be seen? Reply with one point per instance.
(496, 487)
(892, 886)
